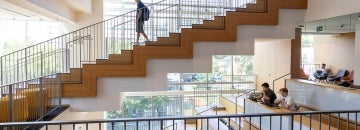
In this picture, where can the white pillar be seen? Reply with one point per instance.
(357, 55)
(1, 37)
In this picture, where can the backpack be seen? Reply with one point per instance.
(146, 14)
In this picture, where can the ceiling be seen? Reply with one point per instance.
(16, 9)
(12, 12)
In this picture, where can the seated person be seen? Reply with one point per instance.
(285, 100)
(267, 96)
(322, 73)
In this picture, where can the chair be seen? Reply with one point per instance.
(303, 75)
(349, 77)
(340, 73)
(348, 80)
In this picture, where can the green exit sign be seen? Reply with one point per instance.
(319, 28)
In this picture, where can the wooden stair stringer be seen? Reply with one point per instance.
(88, 87)
(124, 58)
(172, 40)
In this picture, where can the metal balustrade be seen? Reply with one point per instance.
(46, 60)
(329, 119)
(97, 41)
(155, 106)
(30, 100)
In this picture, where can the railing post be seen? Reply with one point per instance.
(26, 65)
(58, 84)
(41, 64)
(236, 103)
(11, 107)
(178, 17)
(1, 71)
(41, 96)
(291, 126)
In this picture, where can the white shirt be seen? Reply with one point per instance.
(289, 101)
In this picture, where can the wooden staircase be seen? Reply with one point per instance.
(174, 39)
(132, 63)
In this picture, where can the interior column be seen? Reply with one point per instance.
(296, 54)
(357, 55)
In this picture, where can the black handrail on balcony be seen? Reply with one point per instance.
(273, 85)
(213, 107)
(97, 124)
(242, 94)
(174, 125)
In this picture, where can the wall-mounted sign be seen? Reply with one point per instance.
(319, 28)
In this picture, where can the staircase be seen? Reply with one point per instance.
(81, 79)
(177, 45)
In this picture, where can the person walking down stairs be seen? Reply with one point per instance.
(140, 21)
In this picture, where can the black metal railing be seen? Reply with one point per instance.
(273, 84)
(206, 110)
(85, 45)
(97, 41)
(241, 95)
(30, 100)
(295, 120)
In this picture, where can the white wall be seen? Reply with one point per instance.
(321, 9)
(157, 69)
(86, 19)
(272, 60)
(357, 55)
(75, 116)
(337, 52)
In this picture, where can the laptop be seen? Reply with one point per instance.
(253, 98)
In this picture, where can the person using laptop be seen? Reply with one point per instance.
(267, 96)
(285, 100)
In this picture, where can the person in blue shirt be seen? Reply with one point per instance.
(322, 73)
(140, 21)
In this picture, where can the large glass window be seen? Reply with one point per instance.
(228, 72)
(15, 35)
(307, 54)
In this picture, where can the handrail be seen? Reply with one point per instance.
(117, 33)
(173, 125)
(106, 37)
(176, 118)
(278, 79)
(236, 99)
(199, 113)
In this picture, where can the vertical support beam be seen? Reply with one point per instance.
(296, 54)
(357, 55)
(11, 104)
